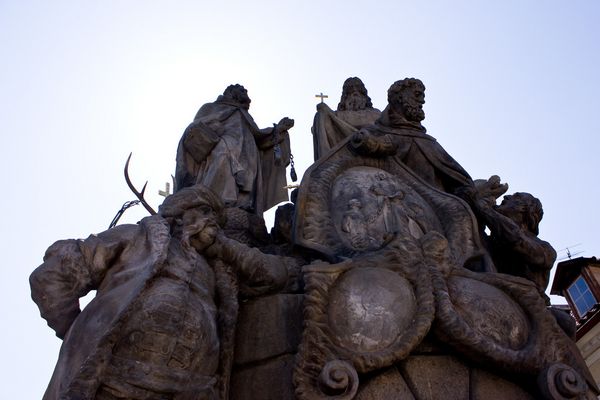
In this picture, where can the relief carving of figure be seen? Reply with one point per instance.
(354, 111)
(165, 305)
(355, 225)
(398, 215)
(224, 149)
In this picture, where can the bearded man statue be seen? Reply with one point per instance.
(399, 129)
(224, 149)
(354, 111)
(161, 325)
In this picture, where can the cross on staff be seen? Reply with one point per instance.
(322, 96)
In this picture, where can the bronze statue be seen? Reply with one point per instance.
(158, 326)
(224, 149)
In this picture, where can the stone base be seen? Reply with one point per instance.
(270, 380)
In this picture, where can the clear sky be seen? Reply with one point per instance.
(511, 90)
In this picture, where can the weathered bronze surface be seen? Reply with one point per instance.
(377, 282)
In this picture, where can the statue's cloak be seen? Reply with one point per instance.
(225, 150)
(86, 348)
(122, 264)
(422, 153)
(332, 127)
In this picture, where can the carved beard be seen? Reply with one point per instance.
(355, 102)
(413, 111)
(193, 232)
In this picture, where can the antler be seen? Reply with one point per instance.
(139, 195)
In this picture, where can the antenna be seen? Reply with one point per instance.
(569, 254)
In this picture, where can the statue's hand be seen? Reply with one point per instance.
(489, 190)
(215, 249)
(285, 124)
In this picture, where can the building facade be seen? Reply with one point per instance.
(578, 281)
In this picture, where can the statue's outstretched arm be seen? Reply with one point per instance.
(258, 272)
(528, 246)
(71, 269)
(268, 137)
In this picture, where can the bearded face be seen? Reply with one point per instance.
(238, 94)
(411, 102)
(355, 100)
(199, 227)
(241, 96)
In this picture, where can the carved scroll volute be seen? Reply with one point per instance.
(338, 380)
(561, 382)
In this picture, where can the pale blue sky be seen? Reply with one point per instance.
(511, 90)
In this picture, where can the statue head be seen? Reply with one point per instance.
(237, 94)
(406, 98)
(354, 96)
(524, 209)
(194, 213)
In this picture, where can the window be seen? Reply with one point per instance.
(581, 296)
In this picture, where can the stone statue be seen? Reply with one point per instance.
(421, 312)
(377, 282)
(355, 105)
(224, 149)
(354, 111)
(160, 325)
(514, 245)
(355, 225)
(400, 128)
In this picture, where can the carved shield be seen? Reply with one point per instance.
(404, 257)
(373, 218)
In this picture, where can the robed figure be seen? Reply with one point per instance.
(162, 323)
(354, 111)
(224, 149)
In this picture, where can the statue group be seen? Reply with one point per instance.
(391, 274)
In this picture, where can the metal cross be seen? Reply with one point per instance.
(167, 190)
(322, 96)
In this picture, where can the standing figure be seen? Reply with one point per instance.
(224, 149)
(159, 324)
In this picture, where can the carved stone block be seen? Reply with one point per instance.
(486, 386)
(271, 380)
(436, 377)
(388, 385)
(267, 327)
